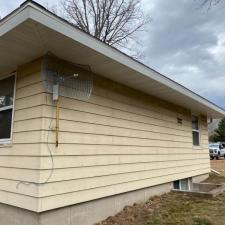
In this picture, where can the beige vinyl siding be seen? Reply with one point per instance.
(81, 196)
(118, 141)
(13, 158)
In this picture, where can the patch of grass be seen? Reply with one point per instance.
(187, 210)
(202, 221)
(174, 209)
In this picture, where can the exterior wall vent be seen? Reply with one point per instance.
(179, 120)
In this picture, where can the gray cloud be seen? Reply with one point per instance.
(187, 44)
(6, 6)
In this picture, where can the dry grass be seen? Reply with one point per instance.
(174, 208)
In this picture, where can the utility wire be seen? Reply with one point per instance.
(52, 164)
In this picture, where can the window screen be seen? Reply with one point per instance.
(181, 184)
(5, 123)
(176, 184)
(195, 131)
(195, 137)
(184, 185)
(7, 91)
(6, 107)
(195, 125)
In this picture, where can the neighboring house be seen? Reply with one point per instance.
(139, 134)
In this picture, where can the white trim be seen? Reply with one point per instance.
(18, 17)
(14, 102)
(32, 11)
(6, 108)
(9, 140)
(68, 30)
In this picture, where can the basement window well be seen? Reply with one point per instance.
(183, 185)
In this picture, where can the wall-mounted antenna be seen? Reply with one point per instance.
(61, 78)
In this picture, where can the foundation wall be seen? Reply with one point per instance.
(200, 178)
(86, 213)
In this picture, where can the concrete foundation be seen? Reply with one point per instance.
(10, 215)
(200, 178)
(86, 213)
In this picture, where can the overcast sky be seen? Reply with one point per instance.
(183, 42)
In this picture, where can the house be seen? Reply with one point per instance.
(137, 134)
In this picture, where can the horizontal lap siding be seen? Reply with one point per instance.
(12, 189)
(81, 171)
(114, 143)
(82, 161)
(81, 184)
(85, 195)
(120, 140)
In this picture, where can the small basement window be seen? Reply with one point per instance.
(7, 93)
(183, 185)
(195, 131)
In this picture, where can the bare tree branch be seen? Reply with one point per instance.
(115, 22)
(209, 3)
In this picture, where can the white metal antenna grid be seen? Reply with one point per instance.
(64, 74)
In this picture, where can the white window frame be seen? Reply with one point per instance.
(9, 140)
(189, 184)
(198, 131)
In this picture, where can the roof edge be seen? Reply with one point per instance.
(106, 50)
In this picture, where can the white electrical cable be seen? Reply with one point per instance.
(52, 163)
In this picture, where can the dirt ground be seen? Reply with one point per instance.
(174, 209)
(218, 165)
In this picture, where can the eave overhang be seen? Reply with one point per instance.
(31, 31)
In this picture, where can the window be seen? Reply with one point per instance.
(183, 185)
(176, 185)
(7, 92)
(195, 131)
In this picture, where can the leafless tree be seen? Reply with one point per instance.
(115, 22)
(210, 3)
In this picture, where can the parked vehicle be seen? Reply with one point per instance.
(216, 150)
